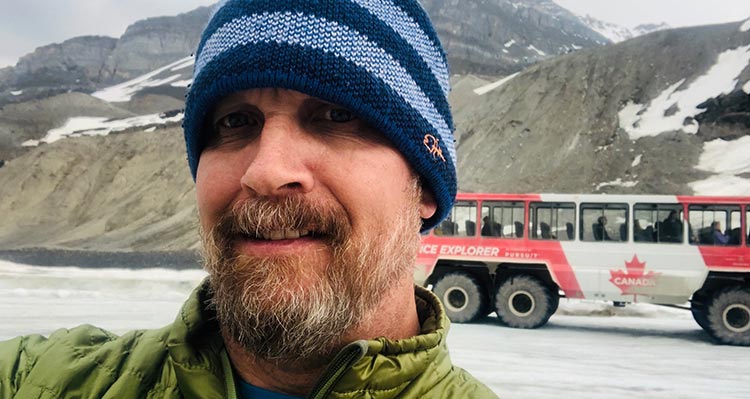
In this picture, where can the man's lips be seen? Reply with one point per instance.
(279, 235)
(285, 234)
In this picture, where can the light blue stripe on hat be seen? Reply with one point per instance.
(410, 31)
(328, 36)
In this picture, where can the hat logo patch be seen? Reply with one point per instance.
(432, 144)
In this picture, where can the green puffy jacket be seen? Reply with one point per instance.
(187, 360)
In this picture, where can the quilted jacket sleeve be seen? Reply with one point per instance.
(15, 362)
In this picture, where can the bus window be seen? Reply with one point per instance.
(552, 221)
(714, 224)
(502, 219)
(461, 222)
(657, 223)
(604, 222)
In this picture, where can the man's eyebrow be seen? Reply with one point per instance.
(314, 102)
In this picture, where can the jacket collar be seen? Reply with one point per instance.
(196, 350)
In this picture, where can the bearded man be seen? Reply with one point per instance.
(321, 142)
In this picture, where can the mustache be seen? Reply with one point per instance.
(258, 217)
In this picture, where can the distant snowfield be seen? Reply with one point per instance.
(125, 91)
(95, 126)
(588, 350)
(669, 110)
(672, 107)
(492, 86)
(727, 160)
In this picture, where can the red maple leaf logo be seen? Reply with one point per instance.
(634, 279)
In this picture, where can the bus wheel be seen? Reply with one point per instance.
(461, 297)
(698, 308)
(729, 316)
(524, 302)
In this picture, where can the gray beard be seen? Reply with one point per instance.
(277, 310)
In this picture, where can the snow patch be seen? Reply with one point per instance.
(17, 93)
(721, 185)
(746, 87)
(540, 52)
(125, 91)
(636, 161)
(97, 126)
(674, 110)
(727, 159)
(721, 156)
(509, 43)
(182, 83)
(151, 129)
(183, 63)
(745, 26)
(492, 86)
(616, 183)
(30, 143)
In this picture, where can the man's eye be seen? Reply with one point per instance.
(340, 115)
(235, 120)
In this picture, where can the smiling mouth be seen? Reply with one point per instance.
(285, 234)
(280, 234)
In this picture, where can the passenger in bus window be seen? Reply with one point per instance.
(640, 234)
(600, 229)
(448, 227)
(671, 228)
(719, 237)
(486, 226)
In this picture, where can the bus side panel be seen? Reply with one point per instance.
(552, 254)
(629, 272)
(726, 258)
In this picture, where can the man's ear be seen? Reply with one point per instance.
(427, 204)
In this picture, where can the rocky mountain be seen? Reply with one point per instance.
(481, 36)
(91, 62)
(664, 113)
(152, 43)
(636, 117)
(494, 37)
(617, 33)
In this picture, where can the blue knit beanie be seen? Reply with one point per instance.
(379, 58)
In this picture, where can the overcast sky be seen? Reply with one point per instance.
(28, 24)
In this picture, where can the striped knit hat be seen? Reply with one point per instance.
(379, 58)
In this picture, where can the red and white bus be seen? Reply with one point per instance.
(517, 254)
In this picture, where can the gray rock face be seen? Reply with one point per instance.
(555, 126)
(74, 63)
(481, 36)
(501, 36)
(88, 63)
(155, 42)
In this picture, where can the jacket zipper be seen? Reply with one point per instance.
(231, 388)
(340, 364)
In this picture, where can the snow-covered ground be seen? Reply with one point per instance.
(588, 350)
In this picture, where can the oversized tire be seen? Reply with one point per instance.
(728, 316)
(698, 308)
(524, 302)
(461, 296)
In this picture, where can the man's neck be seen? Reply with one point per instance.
(395, 318)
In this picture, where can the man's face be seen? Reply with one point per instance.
(308, 216)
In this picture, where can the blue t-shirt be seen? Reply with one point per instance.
(248, 391)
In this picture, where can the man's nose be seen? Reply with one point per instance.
(280, 159)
